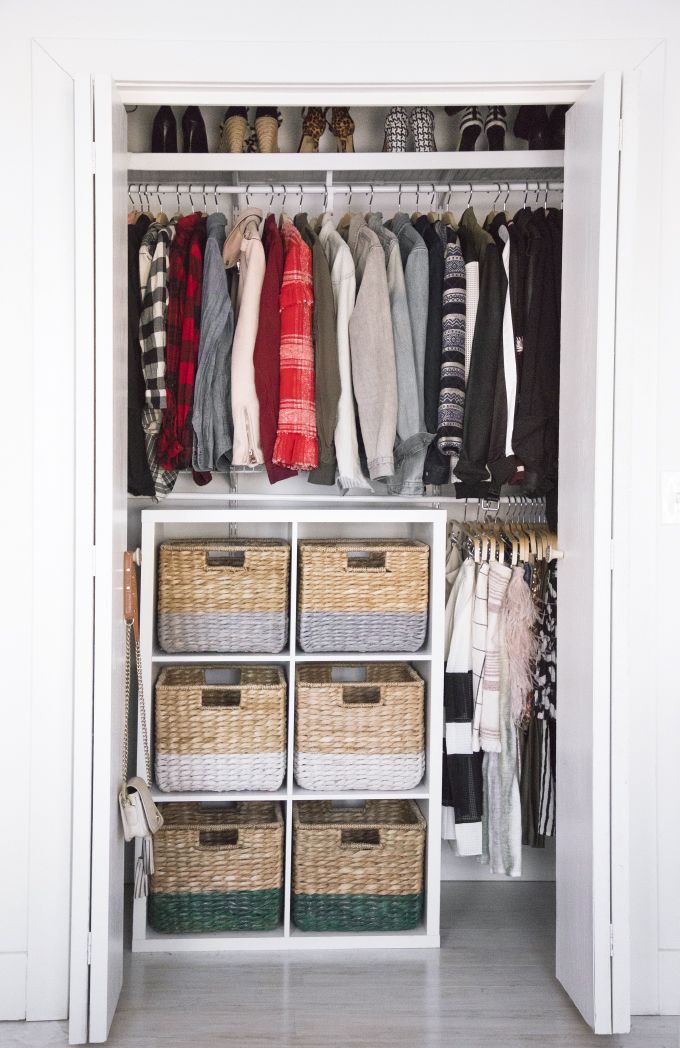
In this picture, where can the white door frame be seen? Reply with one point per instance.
(555, 72)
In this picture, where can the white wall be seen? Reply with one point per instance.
(657, 786)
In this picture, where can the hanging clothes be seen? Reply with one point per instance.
(502, 822)
(243, 248)
(452, 383)
(296, 443)
(472, 467)
(433, 339)
(211, 420)
(267, 349)
(502, 462)
(153, 321)
(343, 284)
(535, 434)
(410, 440)
(139, 479)
(408, 470)
(372, 348)
(462, 795)
(175, 442)
(326, 368)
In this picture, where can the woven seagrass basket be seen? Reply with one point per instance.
(359, 727)
(367, 595)
(223, 595)
(220, 728)
(217, 868)
(358, 869)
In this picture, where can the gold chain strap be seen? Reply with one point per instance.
(140, 699)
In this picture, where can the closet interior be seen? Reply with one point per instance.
(496, 521)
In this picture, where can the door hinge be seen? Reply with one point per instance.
(94, 562)
(89, 947)
(611, 554)
(94, 156)
(620, 134)
(611, 940)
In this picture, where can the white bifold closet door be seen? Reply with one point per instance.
(584, 881)
(110, 527)
(585, 887)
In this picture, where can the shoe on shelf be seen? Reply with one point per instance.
(164, 131)
(470, 129)
(422, 126)
(495, 127)
(267, 120)
(531, 123)
(342, 126)
(233, 130)
(314, 124)
(194, 137)
(556, 126)
(396, 131)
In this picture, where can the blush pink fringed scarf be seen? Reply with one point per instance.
(296, 443)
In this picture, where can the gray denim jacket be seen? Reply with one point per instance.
(211, 418)
(408, 479)
(412, 439)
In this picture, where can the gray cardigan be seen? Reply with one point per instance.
(374, 375)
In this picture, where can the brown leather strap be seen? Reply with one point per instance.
(130, 600)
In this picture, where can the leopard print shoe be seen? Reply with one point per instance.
(342, 126)
(314, 124)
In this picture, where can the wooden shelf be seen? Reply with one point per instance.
(517, 164)
(417, 793)
(163, 657)
(180, 797)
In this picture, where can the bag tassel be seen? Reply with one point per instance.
(147, 855)
(141, 880)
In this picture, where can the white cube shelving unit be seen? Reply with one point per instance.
(292, 525)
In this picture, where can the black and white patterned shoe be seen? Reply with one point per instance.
(422, 126)
(470, 129)
(495, 126)
(396, 131)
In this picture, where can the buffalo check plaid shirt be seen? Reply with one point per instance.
(185, 273)
(154, 255)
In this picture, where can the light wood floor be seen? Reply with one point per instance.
(490, 986)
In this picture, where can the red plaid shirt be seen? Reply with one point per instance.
(185, 280)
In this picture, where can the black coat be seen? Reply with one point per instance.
(486, 349)
(140, 481)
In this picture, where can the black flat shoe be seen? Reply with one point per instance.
(195, 139)
(556, 126)
(495, 126)
(531, 124)
(164, 131)
(470, 129)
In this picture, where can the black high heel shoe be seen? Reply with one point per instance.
(495, 126)
(470, 129)
(164, 131)
(556, 126)
(531, 123)
(195, 139)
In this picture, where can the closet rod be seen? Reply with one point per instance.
(298, 189)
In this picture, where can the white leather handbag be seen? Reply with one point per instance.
(140, 816)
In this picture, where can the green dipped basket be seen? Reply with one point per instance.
(358, 869)
(217, 868)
